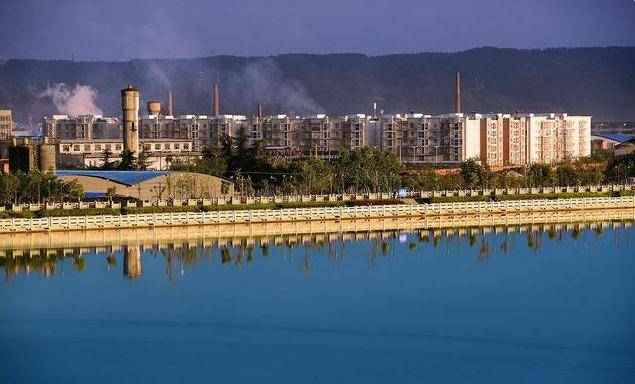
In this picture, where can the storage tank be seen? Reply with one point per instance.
(130, 122)
(47, 155)
(154, 107)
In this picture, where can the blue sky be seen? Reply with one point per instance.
(125, 29)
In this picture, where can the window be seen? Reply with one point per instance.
(157, 146)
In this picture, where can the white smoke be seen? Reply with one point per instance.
(72, 101)
(262, 81)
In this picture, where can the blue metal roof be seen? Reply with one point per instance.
(122, 177)
(94, 195)
(614, 136)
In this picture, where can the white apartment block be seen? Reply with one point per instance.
(556, 137)
(81, 127)
(6, 124)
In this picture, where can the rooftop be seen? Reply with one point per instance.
(613, 136)
(123, 177)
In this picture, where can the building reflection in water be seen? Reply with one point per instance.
(484, 243)
(132, 261)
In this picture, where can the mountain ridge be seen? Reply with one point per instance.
(592, 81)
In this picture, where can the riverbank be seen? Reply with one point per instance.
(314, 214)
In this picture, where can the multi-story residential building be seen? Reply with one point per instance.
(500, 139)
(282, 131)
(357, 131)
(203, 131)
(515, 140)
(318, 135)
(492, 139)
(81, 127)
(392, 129)
(6, 123)
(555, 137)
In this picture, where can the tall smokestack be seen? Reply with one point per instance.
(216, 101)
(170, 112)
(259, 111)
(215, 106)
(457, 94)
(130, 107)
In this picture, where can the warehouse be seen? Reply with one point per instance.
(149, 185)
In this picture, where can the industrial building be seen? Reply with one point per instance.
(607, 141)
(149, 185)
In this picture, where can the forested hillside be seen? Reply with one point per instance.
(596, 81)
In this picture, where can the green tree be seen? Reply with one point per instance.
(143, 160)
(106, 157)
(471, 173)
(540, 175)
(128, 161)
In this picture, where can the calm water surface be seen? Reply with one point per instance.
(553, 306)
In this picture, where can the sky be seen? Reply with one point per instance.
(126, 29)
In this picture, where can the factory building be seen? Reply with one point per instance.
(30, 155)
(147, 185)
(90, 153)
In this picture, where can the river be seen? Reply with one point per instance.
(543, 303)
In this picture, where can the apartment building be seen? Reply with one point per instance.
(500, 139)
(555, 137)
(492, 139)
(515, 140)
(282, 131)
(85, 127)
(202, 130)
(6, 123)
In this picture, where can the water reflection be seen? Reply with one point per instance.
(482, 243)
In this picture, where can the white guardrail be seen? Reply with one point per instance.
(307, 214)
(242, 200)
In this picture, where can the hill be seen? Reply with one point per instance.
(596, 81)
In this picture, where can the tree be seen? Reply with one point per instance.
(566, 175)
(540, 175)
(106, 155)
(143, 160)
(128, 161)
(111, 192)
(471, 173)
(314, 175)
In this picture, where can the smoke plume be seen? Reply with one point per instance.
(72, 101)
(262, 81)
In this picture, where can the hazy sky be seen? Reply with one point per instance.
(124, 29)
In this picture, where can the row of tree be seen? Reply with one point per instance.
(30, 187)
(368, 169)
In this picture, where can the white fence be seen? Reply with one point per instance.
(309, 214)
(242, 200)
